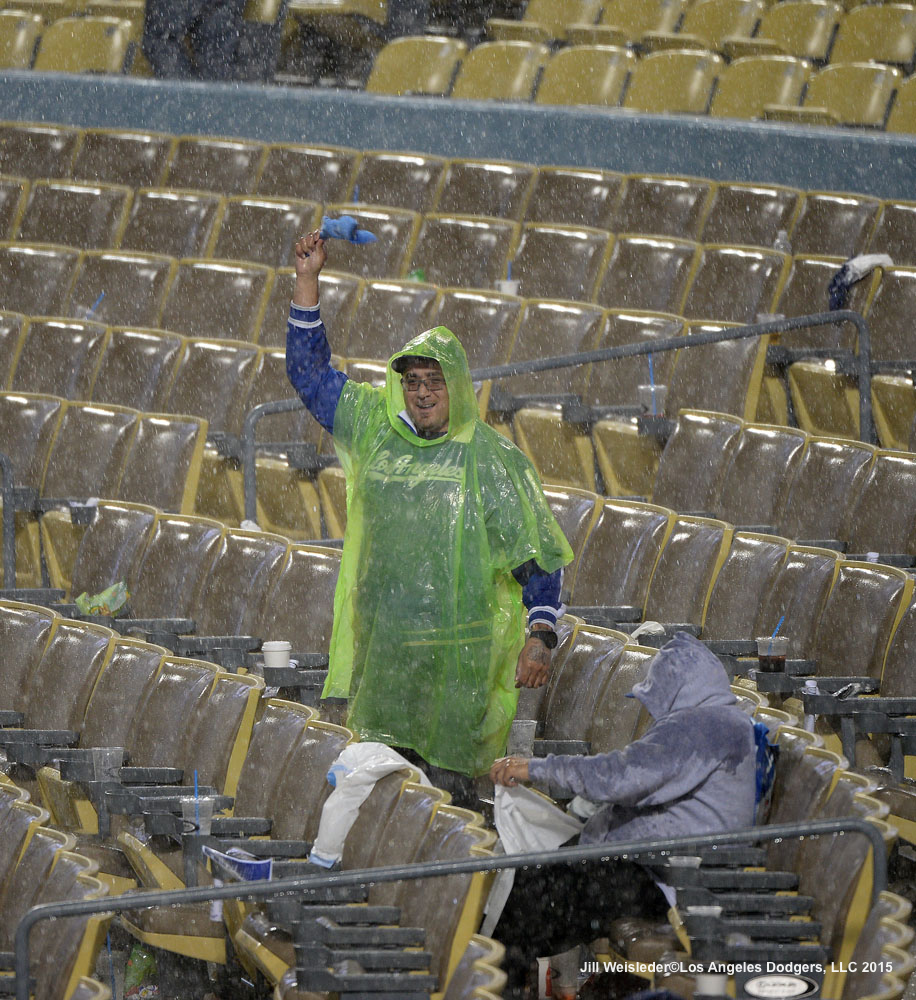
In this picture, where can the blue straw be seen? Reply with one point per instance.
(111, 972)
(355, 193)
(95, 305)
(782, 618)
(509, 271)
(196, 802)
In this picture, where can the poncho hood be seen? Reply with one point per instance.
(443, 346)
(684, 674)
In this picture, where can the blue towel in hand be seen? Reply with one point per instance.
(345, 228)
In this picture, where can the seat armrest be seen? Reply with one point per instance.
(574, 748)
(10, 718)
(606, 615)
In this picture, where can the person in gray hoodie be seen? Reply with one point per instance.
(692, 772)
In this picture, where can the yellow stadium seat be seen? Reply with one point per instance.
(505, 71)
(544, 20)
(416, 65)
(903, 114)
(801, 28)
(19, 33)
(623, 22)
(707, 23)
(85, 45)
(844, 94)
(586, 74)
(673, 81)
(878, 33)
(748, 84)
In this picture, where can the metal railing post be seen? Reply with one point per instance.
(9, 523)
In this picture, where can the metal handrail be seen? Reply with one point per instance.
(863, 371)
(397, 873)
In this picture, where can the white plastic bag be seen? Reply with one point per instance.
(354, 774)
(526, 821)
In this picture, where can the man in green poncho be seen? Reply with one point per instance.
(449, 538)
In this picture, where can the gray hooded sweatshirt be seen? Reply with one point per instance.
(692, 772)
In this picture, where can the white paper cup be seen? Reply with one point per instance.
(197, 813)
(521, 738)
(508, 286)
(276, 653)
(652, 397)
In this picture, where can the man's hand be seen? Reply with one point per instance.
(533, 666)
(310, 255)
(509, 771)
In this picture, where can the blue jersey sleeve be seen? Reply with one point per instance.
(540, 593)
(308, 365)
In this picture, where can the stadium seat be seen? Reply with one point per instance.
(79, 215)
(883, 33)
(308, 579)
(387, 314)
(807, 291)
(173, 566)
(19, 34)
(223, 166)
(263, 230)
(826, 484)
(894, 232)
(887, 314)
(798, 593)
(553, 327)
(743, 581)
(615, 720)
(164, 463)
(749, 214)
(209, 378)
(615, 383)
(544, 21)
(801, 28)
(396, 229)
(89, 450)
(116, 287)
(471, 251)
(485, 187)
(844, 94)
(882, 518)
(837, 224)
(691, 470)
(485, 322)
(407, 180)
(586, 74)
(627, 460)
(625, 285)
(177, 223)
(316, 173)
(873, 597)
(339, 295)
(59, 358)
(825, 400)
(676, 595)
(11, 327)
(584, 251)
(13, 194)
(735, 284)
(725, 376)
(893, 400)
(576, 512)
(706, 24)
(574, 196)
(416, 65)
(33, 151)
(85, 45)
(760, 474)
(287, 501)
(663, 206)
(620, 555)
(747, 85)
(29, 424)
(675, 80)
(505, 71)
(624, 22)
(217, 298)
(903, 111)
(136, 367)
(561, 453)
(110, 156)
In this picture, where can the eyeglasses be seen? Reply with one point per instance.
(412, 383)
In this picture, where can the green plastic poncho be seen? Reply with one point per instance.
(428, 619)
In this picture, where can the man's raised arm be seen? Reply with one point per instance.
(308, 354)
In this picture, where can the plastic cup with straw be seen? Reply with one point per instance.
(772, 650)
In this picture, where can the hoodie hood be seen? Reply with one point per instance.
(684, 674)
(443, 346)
